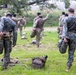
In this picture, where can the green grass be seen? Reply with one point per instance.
(24, 51)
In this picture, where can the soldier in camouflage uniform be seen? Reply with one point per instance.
(38, 27)
(69, 36)
(8, 28)
(21, 24)
(61, 44)
(34, 21)
(14, 39)
(61, 19)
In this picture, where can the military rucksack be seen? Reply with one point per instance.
(62, 46)
(38, 62)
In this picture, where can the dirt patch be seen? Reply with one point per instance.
(45, 29)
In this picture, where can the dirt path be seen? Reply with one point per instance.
(45, 29)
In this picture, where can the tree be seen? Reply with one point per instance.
(19, 4)
(67, 3)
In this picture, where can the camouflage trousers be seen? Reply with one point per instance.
(71, 44)
(71, 49)
(14, 38)
(7, 46)
(37, 33)
(1, 46)
(20, 29)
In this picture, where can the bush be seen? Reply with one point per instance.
(52, 20)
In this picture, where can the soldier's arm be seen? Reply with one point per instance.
(46, 16)
(1, 24)
(64, 31)
(16, 19)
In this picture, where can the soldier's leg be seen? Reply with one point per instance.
(42, 34)
(33, 34)
(38, 32)
(20, 30)
(71, 53)
(14, 38)
(1, 46)
(7, 50)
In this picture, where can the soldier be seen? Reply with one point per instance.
(62, 46)
(14, 39)
(61, 19)
(38, 14)
(69, 36)
(5, 34)
(21, 24)
(35, 19)
(38, 27)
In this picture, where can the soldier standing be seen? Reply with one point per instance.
(61, 19)
(38, 27)
(14, 39)
(69, 36)
(21, 24)
(5, 34)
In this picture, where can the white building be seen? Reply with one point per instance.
(73, 4)
(59, 3)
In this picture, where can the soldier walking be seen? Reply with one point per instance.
(69, 36)
(8, 26)
(61, 20)
(14, 39)
(21, 24)
(38, 27)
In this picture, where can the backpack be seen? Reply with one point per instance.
(62, 46)
(39, 63)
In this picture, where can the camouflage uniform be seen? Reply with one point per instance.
(39, 23)
(14, 39)
(35, 20)
(69, 29)
(8, 27)
(1, 41)
(21, 23)
(61, 20)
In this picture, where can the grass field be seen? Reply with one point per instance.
(24, 51)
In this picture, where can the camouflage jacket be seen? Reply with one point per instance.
(69, 25)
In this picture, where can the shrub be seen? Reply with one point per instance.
(52, 20)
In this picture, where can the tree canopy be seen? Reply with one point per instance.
(17, 5)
